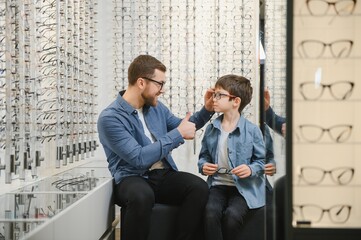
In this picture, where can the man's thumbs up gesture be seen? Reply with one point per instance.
(186, 128)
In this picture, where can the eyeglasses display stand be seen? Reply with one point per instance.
(60, 206)
(325, 129)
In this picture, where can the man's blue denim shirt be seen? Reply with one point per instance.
(274, 121)
(128, 150)
(245, 146)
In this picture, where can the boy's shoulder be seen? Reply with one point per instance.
(246, 121)
(248, 125)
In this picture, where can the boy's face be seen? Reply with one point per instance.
(223, 101)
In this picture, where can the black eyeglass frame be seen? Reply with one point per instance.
(218, 95)
(224, 170)
(161, 84)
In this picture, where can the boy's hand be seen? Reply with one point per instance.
(208, 99)
(209, 168)
(242, 171)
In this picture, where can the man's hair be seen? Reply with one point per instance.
(143, 66)
(238, 86)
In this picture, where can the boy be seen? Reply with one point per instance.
(232, 156)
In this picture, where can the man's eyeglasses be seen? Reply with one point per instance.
(218, 95)
(161, 84)
(223, 170)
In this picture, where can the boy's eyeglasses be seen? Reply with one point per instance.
(161, 84)
(223, 170)
(219, 95)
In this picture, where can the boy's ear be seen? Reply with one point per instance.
(237, 100)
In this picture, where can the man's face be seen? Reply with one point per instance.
(154, 88)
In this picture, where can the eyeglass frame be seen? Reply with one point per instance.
(325, 172)
(324, 46)
(161, 84)
(328, 7)
(323, 130)
(348, 207)
(329, 86)
(223, 170)
(218, 95)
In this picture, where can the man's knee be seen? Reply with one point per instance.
(200, 190)
(135, 194)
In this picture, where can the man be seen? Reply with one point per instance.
(278, 124)
(274, 121)
(138, 134)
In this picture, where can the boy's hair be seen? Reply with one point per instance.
(238, 86)
(143, 66)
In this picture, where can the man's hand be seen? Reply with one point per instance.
(186, 128)
(209, 168)
(283, 130)
(267, 99)
(208, 99)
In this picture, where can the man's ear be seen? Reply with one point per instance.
(140, 83)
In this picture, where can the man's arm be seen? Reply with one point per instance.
(277, 123)
(274, 121)
(117, 138)
(270, 163)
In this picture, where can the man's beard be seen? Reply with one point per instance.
(150, 101)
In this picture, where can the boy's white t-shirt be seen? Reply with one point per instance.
(222, 155)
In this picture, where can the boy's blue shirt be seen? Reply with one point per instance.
(245, 146)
